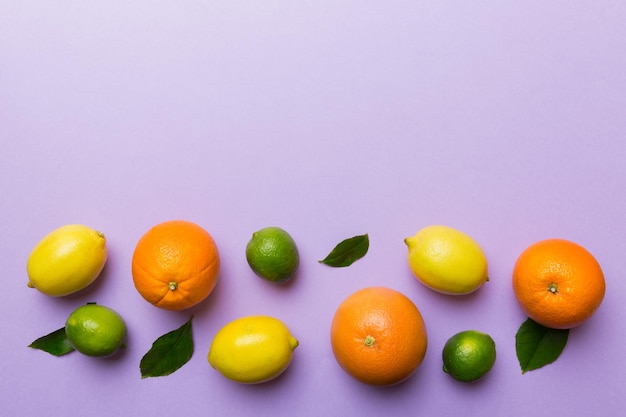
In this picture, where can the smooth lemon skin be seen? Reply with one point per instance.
(66, 260)
(447, 260)
(252, 349)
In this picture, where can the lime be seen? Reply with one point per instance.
(447, 260)
(66, 260)
(95, 330)
(252, 349)
(468, 355)
(272, 254)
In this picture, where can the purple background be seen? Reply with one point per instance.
(330, 119)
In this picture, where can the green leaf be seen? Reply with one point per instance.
(348, 251)
(54, 343)
(537, 345)
(169, 352)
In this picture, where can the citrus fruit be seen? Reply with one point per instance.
(378, 336)
(252, 349)
(95, 330)
(558, 283)
(66, 260)
(447, 260)
(272, 254)
(468, 355)
(175, 265)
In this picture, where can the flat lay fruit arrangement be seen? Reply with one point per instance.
(377, 334)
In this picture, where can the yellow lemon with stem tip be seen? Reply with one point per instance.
(252, 349)
(447, 260)
(66, 260)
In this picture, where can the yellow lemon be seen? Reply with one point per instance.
(66, 260)
(447, 260)
(252, 349)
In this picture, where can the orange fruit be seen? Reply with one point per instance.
(175, 265)
(378, 336)
(558, 283)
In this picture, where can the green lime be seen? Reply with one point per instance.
(95, 330)
(272, 254)
(469, 355)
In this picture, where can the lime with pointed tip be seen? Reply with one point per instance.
(95, 330)
(272, 254)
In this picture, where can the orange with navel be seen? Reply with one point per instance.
(378, 336)
(175, 265)
(558, 283)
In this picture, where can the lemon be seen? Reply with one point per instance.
(272, 254)
(95, 330)
(252, 349)
(469, 355)
(447, 260)
(66, 260)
